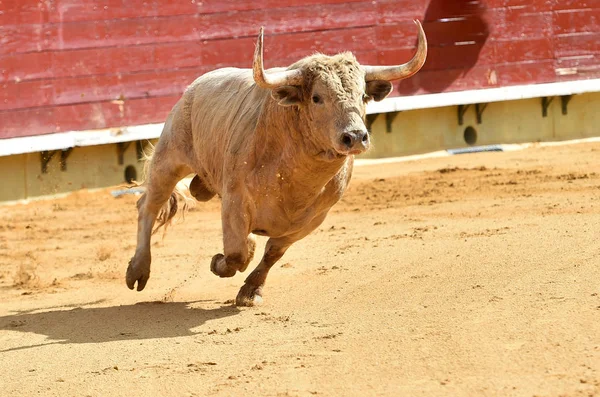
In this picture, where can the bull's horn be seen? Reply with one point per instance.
(400, 71)
(271, 80)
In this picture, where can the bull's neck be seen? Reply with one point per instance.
(282, 140)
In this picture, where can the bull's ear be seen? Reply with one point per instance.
(378, 89)
(288, 95)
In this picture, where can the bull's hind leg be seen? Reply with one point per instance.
(164, 173)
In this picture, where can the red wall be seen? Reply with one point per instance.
(76, 64)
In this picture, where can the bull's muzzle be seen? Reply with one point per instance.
(355, 141)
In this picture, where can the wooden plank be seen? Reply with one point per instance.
(447, 57)
(582, 61)
(586, 74)
(392, 11)
(25, 38)
(113, 60)
(231, 52)
(469, 28)
(447, 80)
(575, 4)
(19, 12)
(442, 9)
(523, 50)
(404, 34)
(577, 44)
(530, 5)
(17, 67)
(126, 32)
(533, 72)
(543, 5)
(401, 35)
(519, 23)
(99, 10)
(576, 21)
(296, 46)
(495, 3)
(579, 67)
(477, 77)
(71, 90)
(85, 116)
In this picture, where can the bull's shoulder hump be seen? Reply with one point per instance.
(227, 73)
(222, 77)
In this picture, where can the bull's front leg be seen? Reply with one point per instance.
(251, 292)
(238, 243)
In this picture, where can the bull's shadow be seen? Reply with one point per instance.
(446, 24)
(148, 320)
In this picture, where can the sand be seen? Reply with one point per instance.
(468, 275)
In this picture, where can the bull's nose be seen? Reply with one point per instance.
(357, 139)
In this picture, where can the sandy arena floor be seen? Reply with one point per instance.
(470, 275)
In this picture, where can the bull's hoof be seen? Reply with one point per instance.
(249, 295)
(218, 265)
(139, 273)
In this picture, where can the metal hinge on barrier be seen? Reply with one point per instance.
(370, 120)
(564, 102)
(389, 119)
(46, 156)
(121, 148)
(479, 108)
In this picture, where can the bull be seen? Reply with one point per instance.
(277, 146)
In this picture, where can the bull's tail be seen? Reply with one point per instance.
(180, 199)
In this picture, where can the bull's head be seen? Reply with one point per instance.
(331, 93)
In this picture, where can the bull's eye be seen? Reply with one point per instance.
(316, 99)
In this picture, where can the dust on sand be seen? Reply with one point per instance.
(466, 275)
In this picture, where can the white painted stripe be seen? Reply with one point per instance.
(487, 95)
(388, 160)
(65, 140)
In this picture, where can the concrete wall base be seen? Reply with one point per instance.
(412, 132)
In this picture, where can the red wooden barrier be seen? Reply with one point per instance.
(76, 64)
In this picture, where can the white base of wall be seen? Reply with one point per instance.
(357, 163)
